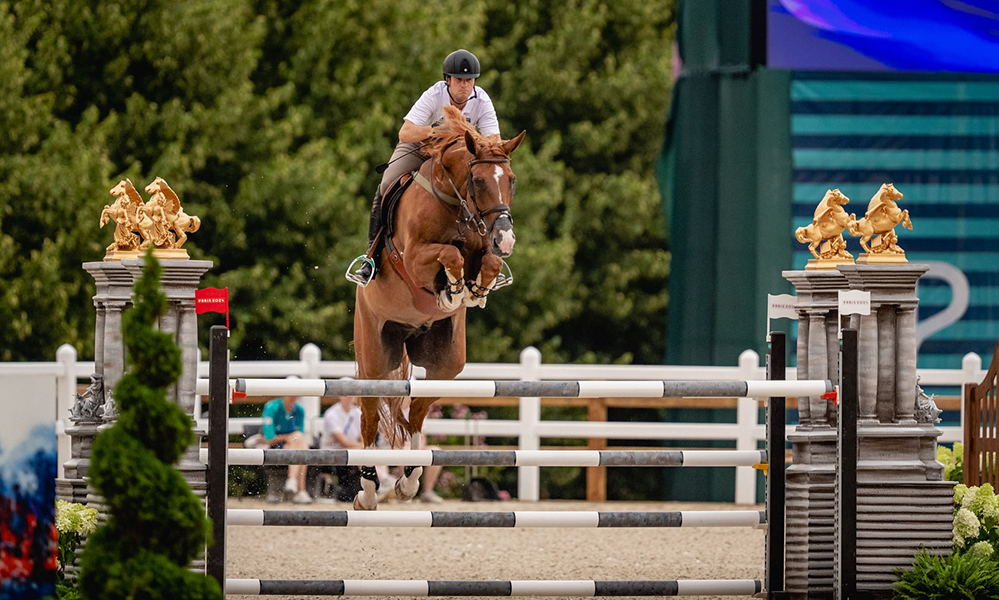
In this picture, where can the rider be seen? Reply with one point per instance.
(461, 68)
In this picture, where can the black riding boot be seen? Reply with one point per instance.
(366, 271)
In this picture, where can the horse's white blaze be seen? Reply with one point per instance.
(496, 175)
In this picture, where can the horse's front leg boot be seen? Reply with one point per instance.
(451, 296)
(367, 498)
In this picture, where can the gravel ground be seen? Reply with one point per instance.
(494, 554)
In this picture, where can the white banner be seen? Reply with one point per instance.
(854, 302)
(781, 306)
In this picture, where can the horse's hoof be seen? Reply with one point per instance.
(359, 506)
(400, 492)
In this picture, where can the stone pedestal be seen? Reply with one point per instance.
(115, 280)
(903, 504)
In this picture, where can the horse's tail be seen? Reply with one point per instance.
(800, 234)
(396, 424)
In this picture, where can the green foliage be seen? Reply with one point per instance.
(156, 526)
(954, 577)
(953, 461)
(267, 118)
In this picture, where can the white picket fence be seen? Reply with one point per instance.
(56, 382)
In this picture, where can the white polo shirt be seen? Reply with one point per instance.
(478, 110)
(336, 420)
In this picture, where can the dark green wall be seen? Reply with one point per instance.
(726, 184)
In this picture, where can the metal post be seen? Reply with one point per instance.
(847, 468)
(218, 447)
(776, 367)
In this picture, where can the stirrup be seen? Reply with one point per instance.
(504, 277)
(354, 276)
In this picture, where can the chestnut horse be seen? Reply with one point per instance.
(452, 229)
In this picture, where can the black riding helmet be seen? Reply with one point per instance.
(461, 64)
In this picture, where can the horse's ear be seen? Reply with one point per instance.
(470, 142)
(511, 145)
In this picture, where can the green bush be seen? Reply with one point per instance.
(953, 462)
(954, 577)
(156, 526)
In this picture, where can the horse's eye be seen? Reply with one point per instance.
(478, 182)
(513, 185)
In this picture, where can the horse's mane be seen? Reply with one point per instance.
(457, 127)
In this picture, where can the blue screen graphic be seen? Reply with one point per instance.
(884, 35)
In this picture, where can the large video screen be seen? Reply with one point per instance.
(884, 35)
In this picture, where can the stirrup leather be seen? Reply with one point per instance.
(352, 274)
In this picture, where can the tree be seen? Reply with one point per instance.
(267, 119)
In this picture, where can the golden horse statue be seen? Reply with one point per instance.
(123, 211)
(165, 204)
(826, 228)
(883, 214)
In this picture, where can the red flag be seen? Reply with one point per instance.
(212, 300)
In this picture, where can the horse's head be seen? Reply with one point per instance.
(489, 183)
(155, 186)
(127, 190)
(888, 192)
(836, 197)
(491, 186)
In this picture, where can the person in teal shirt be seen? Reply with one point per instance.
(284, 427)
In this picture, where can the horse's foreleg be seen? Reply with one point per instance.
(367, 498)
(476, 292)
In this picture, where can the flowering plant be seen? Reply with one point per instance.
(73, 521)
(976, 515)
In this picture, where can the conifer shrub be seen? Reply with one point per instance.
(156, 525)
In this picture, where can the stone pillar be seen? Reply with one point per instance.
(905, 361)
(115, 280)
(867, 371)
(886, 362)
(804, 414)
(818, 363)
(113, 343)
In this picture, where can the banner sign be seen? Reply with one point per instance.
(212, 300)
(854, 302)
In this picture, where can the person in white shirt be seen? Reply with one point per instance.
(461, 68)
(342, 430)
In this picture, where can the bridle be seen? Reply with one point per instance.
(465, 214)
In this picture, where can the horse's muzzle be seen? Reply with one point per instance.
(502, 239)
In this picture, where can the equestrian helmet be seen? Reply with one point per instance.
(461, 64)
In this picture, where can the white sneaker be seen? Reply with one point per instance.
(291, 486)
(302, 497)
(431, 497)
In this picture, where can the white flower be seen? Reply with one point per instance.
(75, 518)
(982, 549)
(960, 491)
(966, 526)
